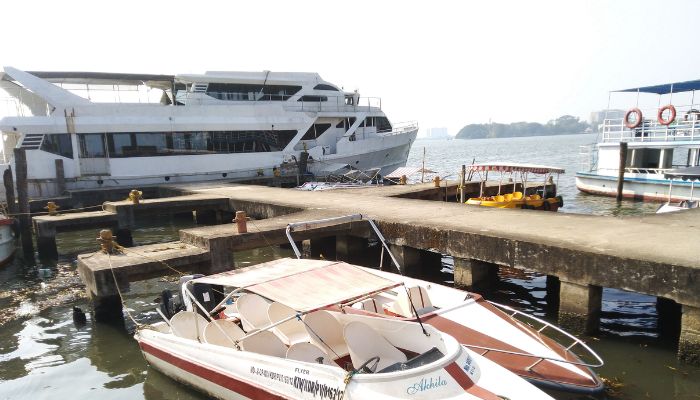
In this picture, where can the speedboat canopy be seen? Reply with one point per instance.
(516, 167)
(304, 285)
(666, 88)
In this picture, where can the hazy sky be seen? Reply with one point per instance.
(440, 63)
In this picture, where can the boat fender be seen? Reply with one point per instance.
(635, 124)
(671, 117)
(560, 200)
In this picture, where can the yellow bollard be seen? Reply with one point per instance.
(240, 221)
(105, 239)
(52, 208)
(135, 196)
(436, 181)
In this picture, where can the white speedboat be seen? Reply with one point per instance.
(512, 339)
(689, 174)
(114, 130)
(7, 240)
(658, 139)
(278, 333)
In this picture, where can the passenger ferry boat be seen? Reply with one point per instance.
(658, 140)
(113, 130)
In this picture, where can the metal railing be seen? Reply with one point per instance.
(685, 127)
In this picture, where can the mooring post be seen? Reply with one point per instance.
(621, 170)
(9, 191)
(689, 341)
(462, 182)
(579, 307)
(25, 220)
(60, 177)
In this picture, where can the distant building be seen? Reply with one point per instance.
(597, 117)
(437, 133)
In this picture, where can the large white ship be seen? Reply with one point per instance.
(118, 130)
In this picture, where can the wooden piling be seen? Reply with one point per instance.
(462, 182)
(25, 220)
(60, 177)
(9, 191)
(621, 170)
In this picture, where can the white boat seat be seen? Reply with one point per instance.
(253, 311)
(290, 332)
(222, 333)
(326, 332)
(266, 343)
(418, 296)
(365, 343)
(188, 325)
(372, 305)
(309, 352)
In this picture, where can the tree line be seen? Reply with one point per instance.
(564, 125)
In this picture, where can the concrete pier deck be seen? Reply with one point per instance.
(654, 254)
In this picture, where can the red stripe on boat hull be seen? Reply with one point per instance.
(241, 387)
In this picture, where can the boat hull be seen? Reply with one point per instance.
(7, 241)
(636, 188)
(227, 373)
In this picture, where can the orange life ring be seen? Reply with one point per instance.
(671, 118)
(632, 125)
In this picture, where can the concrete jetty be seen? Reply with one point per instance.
(581, 254)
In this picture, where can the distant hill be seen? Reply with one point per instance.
(564, 125)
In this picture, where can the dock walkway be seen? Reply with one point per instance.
(653, 254)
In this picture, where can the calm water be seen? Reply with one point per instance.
(43, 355)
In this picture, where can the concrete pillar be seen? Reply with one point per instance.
(325, 247)
(124, 237)
(579, 307)
(553, 289)
(351, 249)
(221, 256)
(408, 257)
(474, 274)
(46, 241)
(689, 341)
(107, 309)
(207, 217)
(669, 318)
(60, 177)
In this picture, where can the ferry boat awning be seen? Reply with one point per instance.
(686, 174)
(516, 167)
(666, 88)
(304, 285)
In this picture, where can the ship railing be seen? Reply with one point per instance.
(569, 348)
(309, 102)
(401, 128)
(636, 170)
(686, 127)
(588, 157)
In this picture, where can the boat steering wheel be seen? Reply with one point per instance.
(365, 368)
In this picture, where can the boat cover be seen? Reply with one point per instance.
(686, 174)
(408, 171)
(304, 285)
(515, 167)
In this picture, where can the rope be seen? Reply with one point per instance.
(121, 298)
(72, 210)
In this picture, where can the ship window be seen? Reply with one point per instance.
(311, 98)
(92, 145)
(119, 144)
(346, 123)
(323, 86)
(383, 124)
(248, 92)
(315, 131)
(58, 144)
